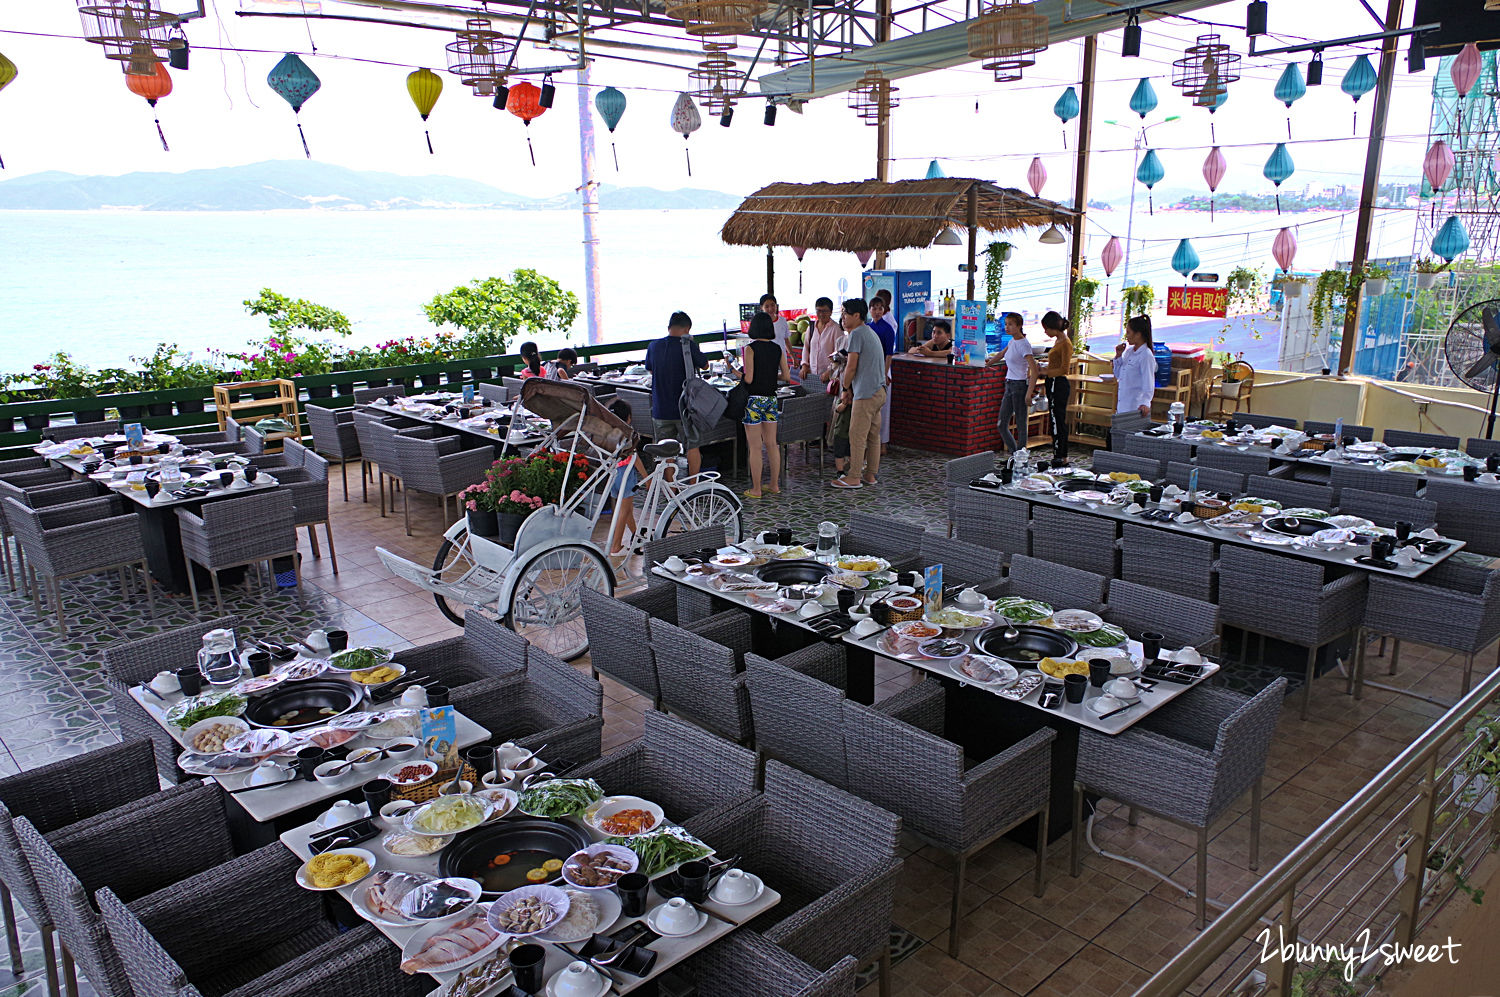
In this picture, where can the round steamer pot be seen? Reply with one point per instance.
(793, 572)
(1294, 526)
(470, 855)
(1046, 642)
(1082, 484)
(311, 694)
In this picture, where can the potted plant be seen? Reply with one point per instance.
(997, 254)
(1292, 287)
(1229, 367)
(66, 378)
(480, 505)
(1136, 300)
(1081, 308)
(1331, 284)
(1427, 270)
(1375, 280)
(521, 485)
(7, 422)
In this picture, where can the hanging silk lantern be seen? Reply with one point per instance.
(1066, 110)
(1279, 167)
(1436, 167)
(1465, 68)
(1185, 259)
(8, 72)
(801, 251)
(685, 121)
(1214, 168)
(610, 103)
(1143, 100)
(1451, 240)
(525, 102)
(1150, 173)
(863, 255)
(153, 88)
(424, 86)
(935, 171)
(295, 82)
(1036, 175)
(1289, 90)
(1112, 256)
(1284, 249)
(1358, 81)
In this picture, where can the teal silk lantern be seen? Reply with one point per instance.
(1185, 260)
(935, 171)
(295, 82)
(1279, 167)
(1451, 240)
(1290, 89)
(1358, 81)
(1150, 173)
(610, 103)
(1143, 100)
(1066, 110)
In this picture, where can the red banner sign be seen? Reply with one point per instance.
(1204, 302)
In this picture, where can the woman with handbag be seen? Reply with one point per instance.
(765, 366)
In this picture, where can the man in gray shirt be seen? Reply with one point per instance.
(864, 387)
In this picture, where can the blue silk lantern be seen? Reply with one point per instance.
(1290, 89)
(1185, 260)
(610, 103)
(1150, 173)
(935, 171)
(1451, 240)
(1278, 168)
(1358, 81)
(1066, 110)
(295, 82)
(1143, 100)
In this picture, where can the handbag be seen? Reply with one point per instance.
(734, 405)
(701, 404)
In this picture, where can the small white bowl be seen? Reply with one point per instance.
(334, 774)
(392, 815)
(402, 749)
(375, 759)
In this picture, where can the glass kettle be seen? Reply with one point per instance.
(218, 659)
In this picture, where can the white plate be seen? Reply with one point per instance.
(1007, 672)
(356, 721)
(1348, 522)
(653, 921)
(359, 900)
(1271, 539)
(1077, 620)
(260, 742)
(300, 668)
(502, 802)
(238, 723)
(1121, 660)
(410, 818)
(305, 881)
(421, 935)
(608, 903)
(224, 763)
(595, 813)
(881, 564)
(556, 898)
(627, 856)
(258, 683)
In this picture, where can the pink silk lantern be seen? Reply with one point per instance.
(863, 255)
(1437, 165)
(1112, 256)
(800, 251)
(1284, 249)
(1036, 175)
(1464, 70)
(1214, 168)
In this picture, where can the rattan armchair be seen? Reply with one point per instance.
(1291, 493)
(989, 520)
(498, 394)
(1188, 763)
(1464, 598)
(307, 480)
(1058, 584)
(1385, 509)
(1182, 621)
(17, 465)
(958, 473)
(1474, 446)
(367, 396)
(1427, 441)
(691, 603)
(1161, 448)
(1314, 428)
(82, 430)
(335, 439)
(37, 497)
(1240, 462)
(744, 964)
(485, 650)
(437, 465)
(1170, 561)
(688, 771)
(1366, 479)
(1467, 513)
(828, 909)
(702, 676)
(377, 458)
(1260, 421)
(52, 797)
(804, 419)
(550, 703)
(910, 769)
(229, 533)
(1105, 461)
(1076, 539)
(1210, 479)
(78, 538)
(973, 565)
(896, 540)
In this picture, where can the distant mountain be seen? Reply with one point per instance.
(309, 185)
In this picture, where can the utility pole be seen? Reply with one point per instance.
(883, 123)
(589, 189)
(1081, 166)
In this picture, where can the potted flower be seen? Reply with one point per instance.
(1229, 367)
(481, 508)
(521, 485)
(65, 378)
(997, 254)
(1427, 270)
(1375, 280)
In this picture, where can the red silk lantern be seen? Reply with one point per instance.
(1036, 175)
(1112, 256)
(1214, 168)
(1284, 249)
(525, 102)
(153, 88)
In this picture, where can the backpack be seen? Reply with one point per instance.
(701, 404)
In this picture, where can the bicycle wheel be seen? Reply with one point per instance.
(451, 562)
(708, 507)
(546, 605)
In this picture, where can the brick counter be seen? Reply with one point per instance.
(945, 409)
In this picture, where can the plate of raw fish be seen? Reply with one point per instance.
(441, 948)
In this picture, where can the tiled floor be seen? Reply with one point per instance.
(1101, 934)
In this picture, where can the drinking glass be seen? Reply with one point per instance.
(1074, 687)
(1151, 646)
(692, 879)
(191, 680)
(1403, 529)
(377, 794)
(338, 640)
(1099, 669)
(633, 888)
(528, 963)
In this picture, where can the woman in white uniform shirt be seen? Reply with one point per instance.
(1135, 369)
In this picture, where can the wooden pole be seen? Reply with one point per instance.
(973, 222)
(1366, 218)
(1081, 167)
(770, 272)
(883, 124)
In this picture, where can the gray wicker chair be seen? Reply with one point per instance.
(1182, 622)
(828, 910)
(254, 439)
(1167, 560)
(82, 430)
(683, 768)
(1467, 513)
(619, 632)
(1464, 598)
(1369, 480)
(998, 521)
(896, 540)
(702, 674)
(1188, 763)
(976, 566)
(804, 419)
(135, 849)
(437, 466)
(1239, 462)
(797, 701)
(640, 411)
(1123, 424)
(373, 432)
(334, 438)
(1314, 428)
(1474, 446)
(37, 497)
(1075, 539)
(1263, 421)
(1290, 600)
(551, 703)
(19, 464)
(1210, 479)
(958, 473)
(280, 945)
(1385, 509)
(1058, 584)
(744, 964)
(1428, 441)
(910, 769)
(78, 538)
(129, 663)
(691, 604)
(1149, 468)
(499, 394)
(52, 797)
(1290, 493)
(238, 531)
(1163, 448)
(367, 396)
(307, 480)
(485, 650)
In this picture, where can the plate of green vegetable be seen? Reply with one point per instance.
(1022, 610)
(559, 797)
(664, 848)
(359, 658)
(1108, 635)
(210, 704)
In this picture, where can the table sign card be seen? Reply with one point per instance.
(468, 394)
(932, 586)
(968, 333)
(440, 736)
(135, 436)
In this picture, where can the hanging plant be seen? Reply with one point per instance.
(1331, 284)
(1427, 270)
(1375, 280)
(1081, 309)
(1136, 300)
(1244, 288)
(996, 254)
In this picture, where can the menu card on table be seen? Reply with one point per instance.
(135, 436)
(440, 736)
(932, 589)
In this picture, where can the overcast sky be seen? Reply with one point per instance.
(69, 110)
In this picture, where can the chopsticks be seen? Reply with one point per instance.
(1128, 706)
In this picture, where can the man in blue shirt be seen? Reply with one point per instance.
(664, 362)
(885, 329)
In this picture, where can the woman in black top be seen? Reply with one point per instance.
(765, 364)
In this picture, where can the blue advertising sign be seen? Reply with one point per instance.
(968, 332)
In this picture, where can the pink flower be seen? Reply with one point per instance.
(471, 506)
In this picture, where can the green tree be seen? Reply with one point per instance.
(492, 312)
(284, 314)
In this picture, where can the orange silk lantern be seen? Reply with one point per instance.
(153, 88)
(525, 102)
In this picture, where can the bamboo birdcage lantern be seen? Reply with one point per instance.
(719, 82)
(873, 97)
(717, 17)
(134, 33)
(1006, 36)
(1205, 71)
(479, 55)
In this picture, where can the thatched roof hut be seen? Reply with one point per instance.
(882, 215)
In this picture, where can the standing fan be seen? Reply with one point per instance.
(1472, 349)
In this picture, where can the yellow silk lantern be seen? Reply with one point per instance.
(425, 87)
(7, 73)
